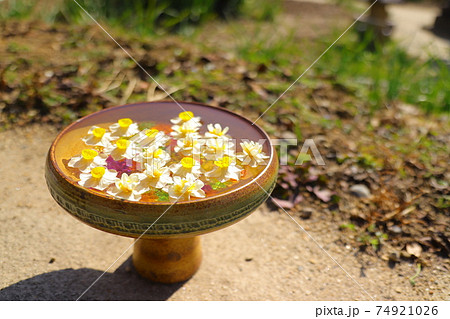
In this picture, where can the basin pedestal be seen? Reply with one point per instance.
(167, 260)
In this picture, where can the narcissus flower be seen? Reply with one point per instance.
(121, 148)
(87, 160)
(218, 148)
(216, 131)
(184, 129)
(185, 188)
(99, 178)
(189, 145)
(225, 169)
(187, 165)
(123, 128)
(185, 117)
(97, 136)
(155, 175)
(150, 138)
(149, 154)
(125, 187)
(252, 154)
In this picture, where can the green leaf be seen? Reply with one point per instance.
(220, 185)
(348, 226)
(146, 125)
(162, 195)
(374, 242)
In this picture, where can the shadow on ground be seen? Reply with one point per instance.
(69, 284)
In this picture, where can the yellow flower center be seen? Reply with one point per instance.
(186, 129)
(187, 162)
(89, 154)
(151, 132)
(98, 172)
(123, 187)
(190, 142)
(98, 132)
(157, 172)
(223, 162)
(158, 153)
(178, 188)
(219, 146)
(122, 144)
(217, 131)
(186, 116)
(250, 149)
(124, 123)
(207, 166)
(190, 188)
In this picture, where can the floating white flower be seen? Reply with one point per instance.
(149, 154)
(225, 169)
(123, 128)
(189, 145)
(187, 165)
(155, 175)
(185, 188)
(150, 138)
(122, 148)
(87, 160)
(216, 131)
(185, 117)
(218, 148)
(185, 128)
(97, 136)
(126, 187)
(99, 178)
(252, 154)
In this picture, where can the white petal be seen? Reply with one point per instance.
(198, 193)
(84, 177)
(175, 167)
(73, 161)
(114, 127)
(90, 182)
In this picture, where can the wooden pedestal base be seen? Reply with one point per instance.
(167, 260)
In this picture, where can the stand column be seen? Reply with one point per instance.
(167, 260)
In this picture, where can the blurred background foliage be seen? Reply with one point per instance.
(141, 16)
(377, 74)
(146, 16)
(387, 73)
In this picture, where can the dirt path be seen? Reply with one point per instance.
(412, 21)
(47, 254)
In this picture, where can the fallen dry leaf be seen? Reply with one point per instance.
(322, 194)
(283, 203)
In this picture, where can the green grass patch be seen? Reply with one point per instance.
(387, 73)
(16, 9)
